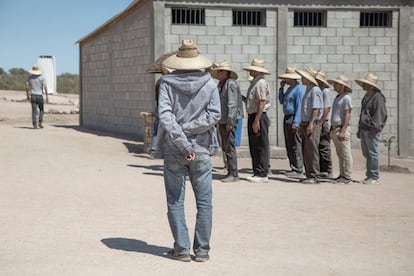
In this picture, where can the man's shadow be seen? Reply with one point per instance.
(133, 245)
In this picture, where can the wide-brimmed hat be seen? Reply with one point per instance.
(370, 79)
(156, 66)
(187, 58)
(224, 65)
(305, 74)
(321, 76)
(342, 80)
(290, 74)
(36, 70)
(258, 66)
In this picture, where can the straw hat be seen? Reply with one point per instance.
(342, 80)
(187, 58)
(36, 70)
(290, 74)
(370, 79)
(321, 76)
(226, 66)
(305, 74)
(258, 66)
(156, 67)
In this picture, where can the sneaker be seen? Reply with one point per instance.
(257, 179)
(230, 178)
(201, 258)
(40, 126)
(310, 181)
(293, 174)
(34, 126)
(343, 180)
(183, 257)
(370, 181)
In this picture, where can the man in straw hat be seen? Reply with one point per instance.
(258, 101)
(157, 68)
(325, 159)
(35, 85)
(371, 122)
(292, 102)
(340, 132)
(231, 112)
(311, 112)
(189, 109)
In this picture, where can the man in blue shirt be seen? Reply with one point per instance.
(292, 101)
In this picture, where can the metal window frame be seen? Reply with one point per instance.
(187, 16)
(249, 17)
(310, 18)
(375, 19)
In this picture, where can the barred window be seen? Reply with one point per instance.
(375, 19)
(249, 18)
(309, 19)
(188, 16)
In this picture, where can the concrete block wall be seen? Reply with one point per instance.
(115, 88)
(344, 48)
(219, 40)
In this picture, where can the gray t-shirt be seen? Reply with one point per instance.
(35, 84)
(311, 100)
(340, 105)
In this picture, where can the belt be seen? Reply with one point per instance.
(338, 126)
(307, 123)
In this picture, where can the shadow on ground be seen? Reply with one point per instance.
(133, 245)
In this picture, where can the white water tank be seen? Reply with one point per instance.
(48, 66)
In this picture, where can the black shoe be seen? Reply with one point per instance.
(178, 257)
(230, 178)
(293, 174)
(343, 180)
(201, 258)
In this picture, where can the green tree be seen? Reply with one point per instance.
(16, 77)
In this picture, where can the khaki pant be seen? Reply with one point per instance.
(343, 150)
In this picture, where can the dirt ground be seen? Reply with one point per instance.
(78, 202)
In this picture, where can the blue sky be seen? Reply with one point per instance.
(30, 28)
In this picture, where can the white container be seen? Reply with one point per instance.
(48, 66)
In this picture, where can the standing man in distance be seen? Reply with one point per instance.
(340, 127)
(258, 101)
(231, 112)
(189, 109)
(325, 157)
(310, 131)
(371, 122)
(292, 102)
(35, 85)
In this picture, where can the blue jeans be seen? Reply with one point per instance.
(176, 168)
(37, 100)
(369, 146)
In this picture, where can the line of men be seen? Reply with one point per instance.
(307, 107)
(191, 104)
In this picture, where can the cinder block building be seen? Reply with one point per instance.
(339, 36)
